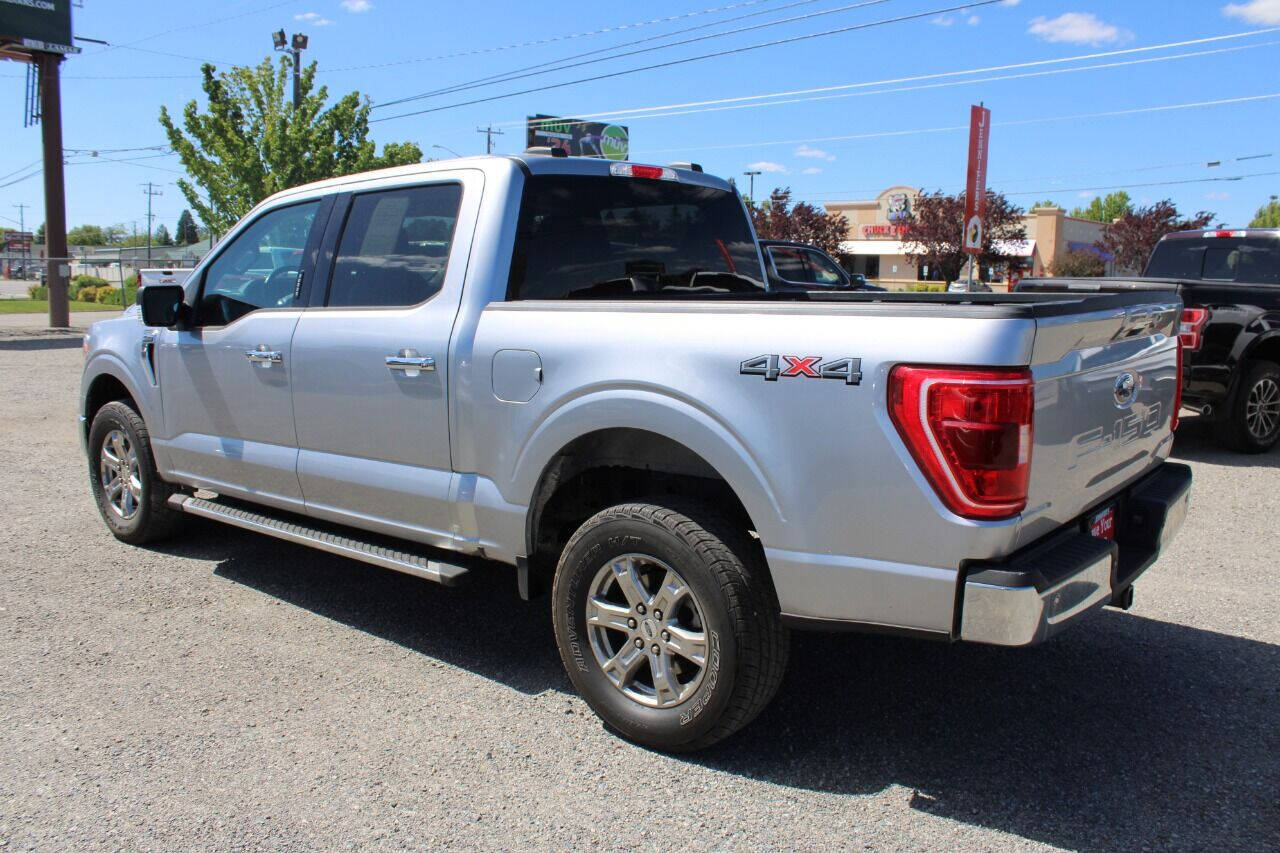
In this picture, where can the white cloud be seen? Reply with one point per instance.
(1077, 28)
(812, 170)
(1010, 2)
(1255, 11)
(313, 18)
(767, 166)
(942, 21)
(973, 20)
(1083, 194)
(357, 5)
(1217, 196)
(814, 153)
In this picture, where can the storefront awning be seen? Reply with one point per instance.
(872, 247)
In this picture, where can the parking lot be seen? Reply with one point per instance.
(229, 690)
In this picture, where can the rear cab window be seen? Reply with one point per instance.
(1243, 260)
(613, 237)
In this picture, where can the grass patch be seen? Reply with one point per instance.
(41, 306)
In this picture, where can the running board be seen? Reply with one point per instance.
(388, 558)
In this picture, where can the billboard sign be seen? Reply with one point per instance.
(37, 25)
(975, 187)
(18, 241)
(577, 138)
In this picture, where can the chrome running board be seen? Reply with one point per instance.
(323, 540)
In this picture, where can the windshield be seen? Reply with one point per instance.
(583, 236)
(1253, 260)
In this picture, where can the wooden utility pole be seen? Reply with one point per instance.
(58, 265)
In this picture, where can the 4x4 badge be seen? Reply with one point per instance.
(771, 367)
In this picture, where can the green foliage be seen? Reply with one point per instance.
(186, 233)
(251, 142)
(1107, 209)
(86, 235)
(1268, 216)
(38, 291)
(162, 237)
(88, 294)
(90, 280)
(926, 287)
(1046, 203)
(116, 296)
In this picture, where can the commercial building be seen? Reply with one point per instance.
(874, 245)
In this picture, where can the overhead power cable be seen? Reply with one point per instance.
(634, 113)
(569, 37)
(699, 57)
(536, 71)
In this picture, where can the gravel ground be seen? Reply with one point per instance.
(227, 690)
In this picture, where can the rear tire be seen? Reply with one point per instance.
(130, 495)
(1252, 423)
(704, 668)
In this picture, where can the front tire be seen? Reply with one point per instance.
(1253, 421)
(130, 495)
(668, 624)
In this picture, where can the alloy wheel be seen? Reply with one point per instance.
(1262, 409)
(120, 474)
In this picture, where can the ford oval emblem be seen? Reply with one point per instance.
(1126, 389)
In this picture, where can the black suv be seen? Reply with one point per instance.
(1229, 281)
(799, 266)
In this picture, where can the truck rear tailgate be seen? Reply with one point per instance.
(1105, 389)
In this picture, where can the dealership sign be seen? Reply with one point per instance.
(578, 138)
(975, 188)
(37, 25)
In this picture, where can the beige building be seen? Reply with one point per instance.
(874, 241)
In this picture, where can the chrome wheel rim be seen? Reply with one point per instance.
(1262, 409)
(647, 630)
(119, 474)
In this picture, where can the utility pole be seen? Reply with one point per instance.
(751, 194)
(22, 228)
(150, 193)
(294, 48)
(55, 201)
(489, 134)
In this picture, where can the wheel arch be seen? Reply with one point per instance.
(1265, 347)
(103, 383)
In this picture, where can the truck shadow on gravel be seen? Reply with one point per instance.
(1196, 442)
(1124, 733)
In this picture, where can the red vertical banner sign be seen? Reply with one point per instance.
(975, 188)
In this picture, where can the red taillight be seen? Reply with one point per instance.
(1177, 395)
(1191, 329)
(970, 433)
(635, 170)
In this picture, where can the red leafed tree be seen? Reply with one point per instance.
(1132, 237)
(804, 223)
(933, 233)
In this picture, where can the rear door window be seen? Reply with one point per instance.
(586, 236)
(1244, 260)
(395, 246)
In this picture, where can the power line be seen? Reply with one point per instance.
(553, 39)
(635, 112)
(1222, 179)
(922, 131)
(184, 27)
(995, 79)
(688, 59)
(558, 66)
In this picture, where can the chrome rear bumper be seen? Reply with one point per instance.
(1041, 589)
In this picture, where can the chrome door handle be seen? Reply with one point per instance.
(411, 363)
(264, 357)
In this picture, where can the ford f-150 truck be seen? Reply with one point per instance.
(575, 367)
(1229, 281)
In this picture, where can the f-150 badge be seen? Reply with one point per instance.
(772, 367)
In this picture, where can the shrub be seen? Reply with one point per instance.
(1079, 263)
(89, 294)
(38, 291)
(926, 287)
(83, 280)
(116, 296)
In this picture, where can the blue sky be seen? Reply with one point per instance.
(1060, 134)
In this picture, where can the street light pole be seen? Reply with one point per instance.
(450, 150)
(751, 194)
(294, 48)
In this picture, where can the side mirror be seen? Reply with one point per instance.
(162, 305)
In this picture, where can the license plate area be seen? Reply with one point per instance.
(1102, 524)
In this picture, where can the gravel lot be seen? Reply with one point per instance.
(228, 690)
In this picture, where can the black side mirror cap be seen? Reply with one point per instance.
(162, 305)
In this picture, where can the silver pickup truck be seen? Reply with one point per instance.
(573, 367)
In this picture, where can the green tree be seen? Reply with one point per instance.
(1107, 209)
(40, 233)
(1268, 216)
(86, 235)
(1045, 203)
(251, 142)
(161, 237)
(186, 233)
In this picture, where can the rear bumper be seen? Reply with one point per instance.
(1038, 591)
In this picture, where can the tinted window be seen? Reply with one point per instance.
(825, 272)
(584, 236)
(395, 247)
(259, 267)
(1243, 260)
(790, 265)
